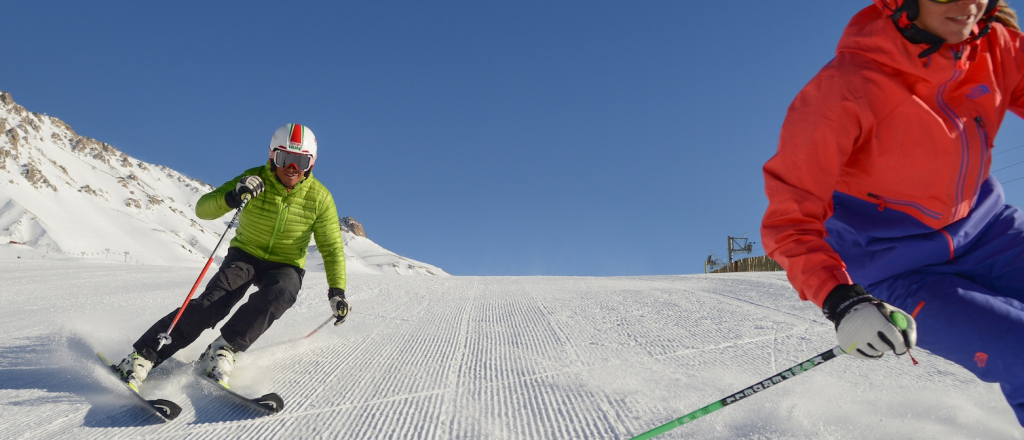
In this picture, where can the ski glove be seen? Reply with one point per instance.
(339, 306)
(866, 326)
(251, 185)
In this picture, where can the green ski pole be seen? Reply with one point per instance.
(746, 392)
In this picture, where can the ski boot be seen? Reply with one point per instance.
(217, 361)
(133, 369)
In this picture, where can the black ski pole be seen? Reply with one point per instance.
(746, 392)
(165, 338)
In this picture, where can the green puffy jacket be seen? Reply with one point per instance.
(277, 224)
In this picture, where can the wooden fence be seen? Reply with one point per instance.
(753, 264)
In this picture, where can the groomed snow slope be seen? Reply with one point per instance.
(474, 358)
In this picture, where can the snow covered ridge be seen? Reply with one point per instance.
(363, 256)
(63, 195)
(70, 195)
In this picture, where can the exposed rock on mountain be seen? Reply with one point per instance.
(351, 225)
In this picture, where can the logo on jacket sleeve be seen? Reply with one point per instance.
(978, 91)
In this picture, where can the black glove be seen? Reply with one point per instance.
(866, 326)
(251, 185)
(339, 306)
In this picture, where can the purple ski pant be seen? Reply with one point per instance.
(970, 310)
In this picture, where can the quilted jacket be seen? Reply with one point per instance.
(277, 225)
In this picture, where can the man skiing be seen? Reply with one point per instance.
(285, 205)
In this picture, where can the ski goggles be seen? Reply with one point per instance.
(284, 159)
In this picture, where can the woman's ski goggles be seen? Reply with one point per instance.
(284, 159)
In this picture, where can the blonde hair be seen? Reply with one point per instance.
(1007, 16)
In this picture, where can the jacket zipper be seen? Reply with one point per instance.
(278, 227)
(883, 201)
(964, 144)
(284, 219)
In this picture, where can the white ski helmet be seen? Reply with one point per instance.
(295, 139)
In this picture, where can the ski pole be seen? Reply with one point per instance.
(746, 392)
(329, 318)
(165, 338)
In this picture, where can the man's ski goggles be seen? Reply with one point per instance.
(284, 159)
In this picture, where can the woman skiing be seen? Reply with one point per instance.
(287, 206)
(879, 196)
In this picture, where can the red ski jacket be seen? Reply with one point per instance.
(883, 160)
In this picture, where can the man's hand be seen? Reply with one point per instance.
(866, 326)
(339, 306)
(251, 185)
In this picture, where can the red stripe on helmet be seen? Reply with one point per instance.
(296, 136)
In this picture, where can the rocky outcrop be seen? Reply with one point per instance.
(351, 225)
(34, 176)
(31, 122)
(12, 107)
(98, 192)
(100, 151)
(14, 136)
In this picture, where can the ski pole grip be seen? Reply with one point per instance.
(899, 320)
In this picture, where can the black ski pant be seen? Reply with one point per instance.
(278, 285)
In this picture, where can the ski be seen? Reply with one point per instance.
(163, 408)
(268, 403)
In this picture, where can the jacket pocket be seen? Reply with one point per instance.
(886, 201)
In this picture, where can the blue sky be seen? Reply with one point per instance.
(487, 138)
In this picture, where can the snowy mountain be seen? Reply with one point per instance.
(63, 195)
(455, 357)
(362, 255)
